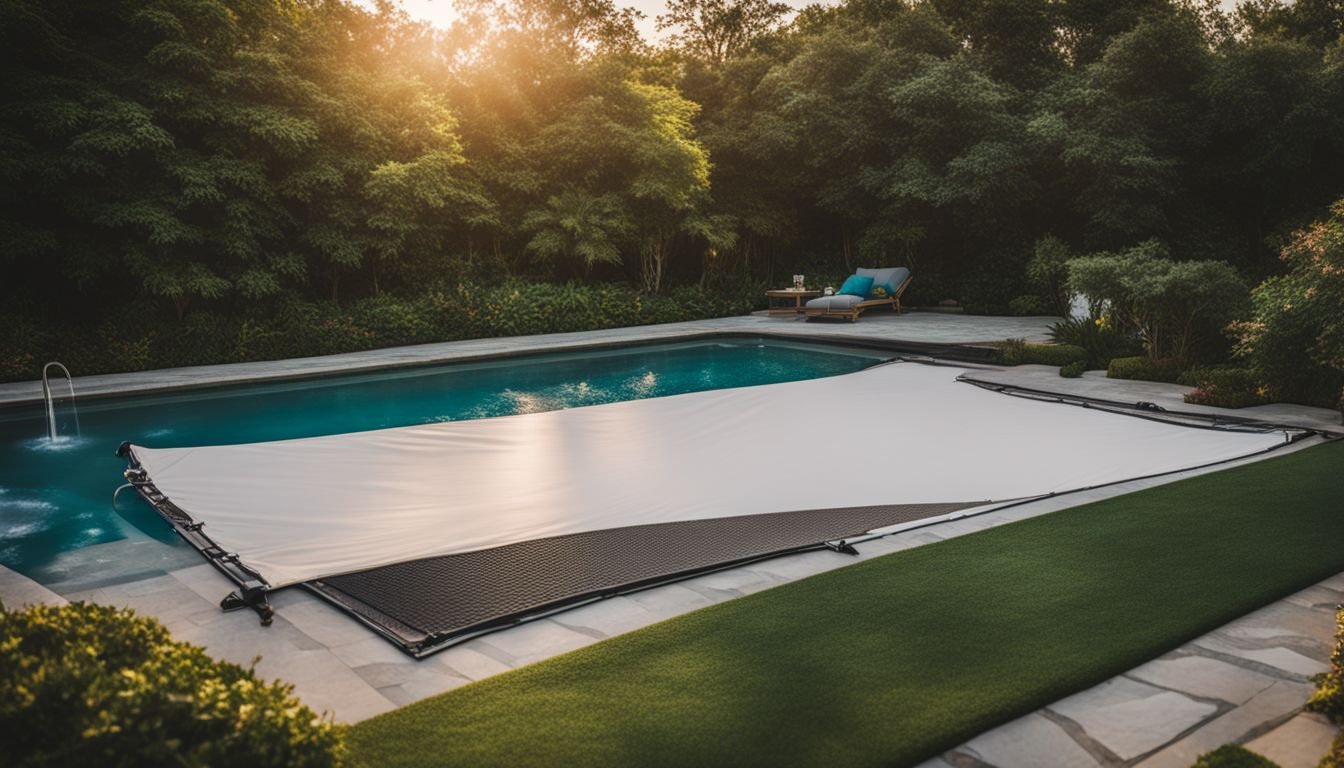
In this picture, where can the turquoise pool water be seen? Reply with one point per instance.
(56, 497)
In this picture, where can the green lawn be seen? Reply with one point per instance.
(898, 658)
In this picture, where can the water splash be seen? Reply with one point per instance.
(59, 444)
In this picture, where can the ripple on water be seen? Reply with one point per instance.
(26, 505)
(58, 445)
(10, 531)
(21, 518)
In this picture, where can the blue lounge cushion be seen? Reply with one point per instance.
(889, 278)
(856, 285)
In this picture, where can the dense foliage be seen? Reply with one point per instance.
(1296, 334)
(1329, 696)
(233, 157)
(90, 685)
(1226, 387)
(128, 341)
(1172, 306)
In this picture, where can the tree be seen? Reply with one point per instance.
(577, 226)
(635, 140)
(1172, 305)
(719, 30)
(1019, 39)
(1317, 23)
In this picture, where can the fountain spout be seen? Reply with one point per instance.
(49, 400)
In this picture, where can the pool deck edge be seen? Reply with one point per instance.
(916, 333)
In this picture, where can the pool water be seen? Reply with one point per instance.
(56, 496)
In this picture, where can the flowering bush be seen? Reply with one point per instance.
(1329, 696)
(1226, 387)
(1295, 337)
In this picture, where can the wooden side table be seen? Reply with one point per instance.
(788, 301)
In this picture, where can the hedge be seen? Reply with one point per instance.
(1019, 352)
(90, 685)
(1163, 369)
(133, 341)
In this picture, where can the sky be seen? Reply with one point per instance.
(440, 12)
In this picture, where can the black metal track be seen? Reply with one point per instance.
(1152, 411)
(252, 586)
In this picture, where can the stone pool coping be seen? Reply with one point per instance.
(915, 332)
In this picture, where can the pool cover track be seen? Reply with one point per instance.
(437, 533)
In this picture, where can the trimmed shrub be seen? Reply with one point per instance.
(1164, 369)
(90, 685)
(1055, 354)
(1073, 370)
(1233, 756)
(1225, 387)
(1019, 352)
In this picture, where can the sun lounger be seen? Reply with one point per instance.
(893, 280)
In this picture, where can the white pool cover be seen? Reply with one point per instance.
(904, 433)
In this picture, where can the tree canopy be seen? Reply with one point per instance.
(182, 154)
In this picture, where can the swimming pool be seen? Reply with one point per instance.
(56, 497)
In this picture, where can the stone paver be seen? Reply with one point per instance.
(1204, 677)
(1028, 742)
(607, 618)
(18, 591)
(1130, 718)
(533, 641)
(1298, 743)
(1291, 661)
(1262, 712)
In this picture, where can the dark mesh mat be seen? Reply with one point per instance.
(424, 604)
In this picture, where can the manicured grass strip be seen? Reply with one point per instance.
(893, 660)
